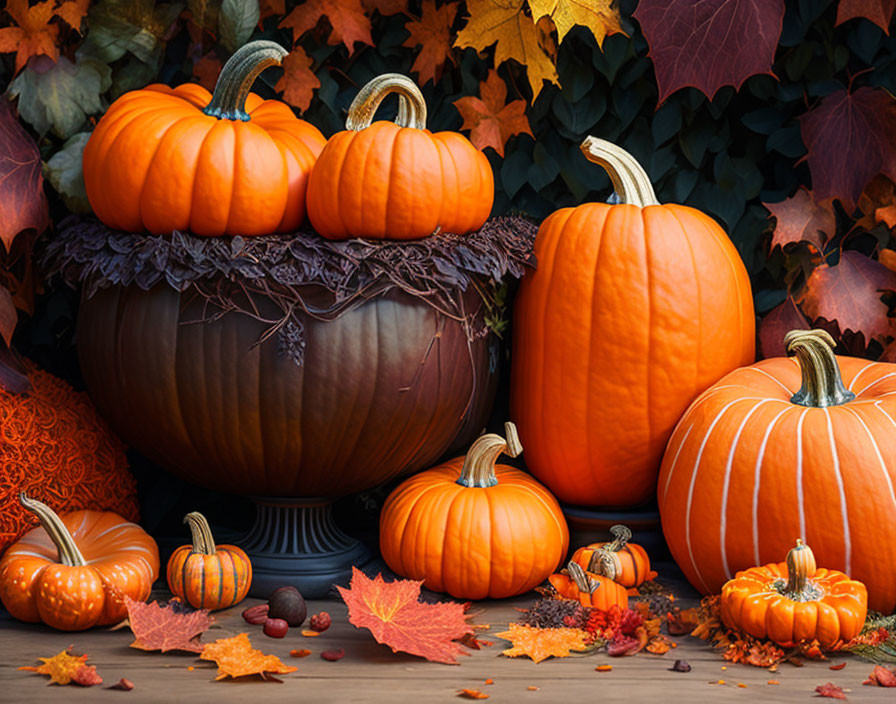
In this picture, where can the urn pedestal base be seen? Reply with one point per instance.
(297, 542)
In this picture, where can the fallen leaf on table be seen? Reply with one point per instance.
(122, 684)
(882, 677)
(543, 643)
(838, 666)
(603, 668)
(472, 694)
(236, 657)
(396, 617)
(299, 653)
(166, 627)
(310, 634)
(830, 690)
(533, 688)
(65, 668)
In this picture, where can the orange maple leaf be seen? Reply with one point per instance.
(543, 643)
(64, 668)
(270, 8)
(207, 70)
(298, 82)
(433, 32)
(492, 122)
(236, 657)
(72, 12)
(385, 7)
(34, 35)
(348, 23)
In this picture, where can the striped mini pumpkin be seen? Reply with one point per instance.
(758, 459)
(634, 564)
(206, 575)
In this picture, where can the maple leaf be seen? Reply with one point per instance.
(72, 12)
(830, 690)
(882, 677)
(472, 694)
(298, 81)
(542, 643)
(492, 122)
(599, 16)
(270, 8)
(64, 668)
(850, 294)
(710, 44)
(433, 32)
(385, 7)
(801, 218)
(396, 617)
(236, 657)
(164, 628)
(878, 11)
(505, 24)
(23, 204)
(860, 126)
(776, 324)
(348, 23)
(34, 35)
(878, 203)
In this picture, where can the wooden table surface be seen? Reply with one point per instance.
(371, 672)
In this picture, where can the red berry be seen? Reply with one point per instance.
(333, 655)
(256, 615)
(276, 627)
(320, 622)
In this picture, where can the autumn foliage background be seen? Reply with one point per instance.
(776, 118)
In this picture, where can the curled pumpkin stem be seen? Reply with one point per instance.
(203, 541)
(630, 181)
(411, 104)
(822, 384)
(239, 73)
(69, 554)
(621, 537)
(479, 463)
(584, 583)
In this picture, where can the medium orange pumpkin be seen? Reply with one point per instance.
(634, 564)
(164, 159)
(787, 447)
(208, 576)
(74, 571)
(795, 601)
(599, 591)
(397, 180)
(494, 532)
(634, 309)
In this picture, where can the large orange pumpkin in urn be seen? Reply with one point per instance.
(634, 309)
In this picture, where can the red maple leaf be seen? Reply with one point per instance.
(801, 218)
(492, 122)
(348, 23)
(776, 324)
(878, 11)
(165, 628)
(850, 294)
(298, 81)
(882, 677)
(830, 690)
(711, 43)
(396, 617)
(433, 32)
(858, 126)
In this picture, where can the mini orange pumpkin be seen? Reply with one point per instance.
(73, 572)
(599, 591)
(492, 533)
(397, 180)
(795, 601)
(208, 576)
(633, 560)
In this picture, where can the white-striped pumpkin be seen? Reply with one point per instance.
(750, 466)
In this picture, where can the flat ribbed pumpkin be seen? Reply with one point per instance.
(386, 180)
(803, 446)
(164, 159)
(474, 529)
(634, 309)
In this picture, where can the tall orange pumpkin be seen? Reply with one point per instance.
(164, 159)
(787, 447)
(634, 309)
(397, 180)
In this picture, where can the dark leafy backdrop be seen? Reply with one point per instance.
(786, 151)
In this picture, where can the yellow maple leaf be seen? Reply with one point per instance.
(597, 15)
(542, 643)
(64, 668)
(236, 657)
(505, 24)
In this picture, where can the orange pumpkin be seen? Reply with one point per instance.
(634, 309)
(208, 576)
(794, 601)
(787, 447)
(397, 180)
(599, 591)
(634, 564)
(164, 159)
(494, 532)
(74, 571)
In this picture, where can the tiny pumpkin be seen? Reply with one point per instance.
(208, 576)
(494, 532)
(73, 572)
(634, 564)
(386, 180)
(164, 159)
(596, 590)
(794, 601)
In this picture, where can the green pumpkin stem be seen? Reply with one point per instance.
(411, 105)
(822, 383)
(630, 181)
(59, 534)
(479, 464)
(239, 73)
(203, 542)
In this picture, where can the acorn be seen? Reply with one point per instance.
(287, 603)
